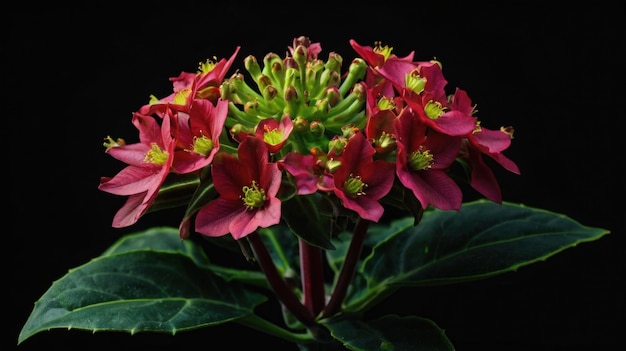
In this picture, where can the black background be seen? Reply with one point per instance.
(554, 73)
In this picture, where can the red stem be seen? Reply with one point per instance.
(282, 290)
(348, 269)
(311, 270)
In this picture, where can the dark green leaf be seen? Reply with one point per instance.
(483, 239)
(303, 218)
(159, 239)
(390, 332)
(167, 239)
(138, 291)
(175, 191)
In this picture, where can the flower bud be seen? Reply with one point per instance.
(317, 129)
(252, 65)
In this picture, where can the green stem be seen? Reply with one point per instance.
(311, 271)
(258, 323)
(348, 269)
(282, 290)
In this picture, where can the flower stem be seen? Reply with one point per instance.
(348, 269)
(282, 290)
(311, 271)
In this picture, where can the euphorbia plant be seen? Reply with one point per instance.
(340, 182)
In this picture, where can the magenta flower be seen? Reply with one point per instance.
(488, 142)
(198, 134)
(376, 58)
(205, 84)
(273, 133)
(247, 187)
(360, 181)
(423, 160)
(149, 163)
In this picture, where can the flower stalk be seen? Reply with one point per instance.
(348, 269)
(280, 287)
(311, 270)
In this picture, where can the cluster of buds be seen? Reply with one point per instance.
(237, 151)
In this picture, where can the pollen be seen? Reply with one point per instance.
(386, 103)
(110, 143)
(253, 196)
(434, 109)
(156, 155)
(383, 50)
(202, 144)
(272, 136)
(421, 159)
(207, 66)
(354, 186)
(181, 96)
(415, 82)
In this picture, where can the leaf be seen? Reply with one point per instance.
(390, 332)
(303, 218)
(159, 239)
(174, 192)
(483, 239)
(139, 291)
(167, 239)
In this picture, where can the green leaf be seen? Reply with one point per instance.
(483, 239)
(174, 192)
(139, 291)
(303, 218)
(390, 332)
(167, 239)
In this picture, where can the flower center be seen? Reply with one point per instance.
(420, 160)
(181, 96)
(207, 66)
(156, 155)
(253, 197)
(415, 82)
(354, 186)
(202, 145)
(383, 50)
(433, 109)
(272, 136)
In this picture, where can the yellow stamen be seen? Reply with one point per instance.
(156, 155)
(253, 197)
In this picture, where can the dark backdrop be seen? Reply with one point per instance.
(554, 73)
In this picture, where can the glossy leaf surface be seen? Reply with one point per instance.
(139, 290)
(390, 332)
(483, 239)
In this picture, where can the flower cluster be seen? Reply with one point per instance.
(339, 183)
(383, 132)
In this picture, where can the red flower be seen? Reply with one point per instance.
(149, 163)
(360, 181)
(422, 162)
(491, 143)
(247, 185)
(274, 134)
(198, 134)
(204, 84)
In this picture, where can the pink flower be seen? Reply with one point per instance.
(377, 57)
(488, 142)
(247, 187)
(204, 84)
(423, 160)
(273, 133)
(149, 163)
(198, 134)
(360, 181)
